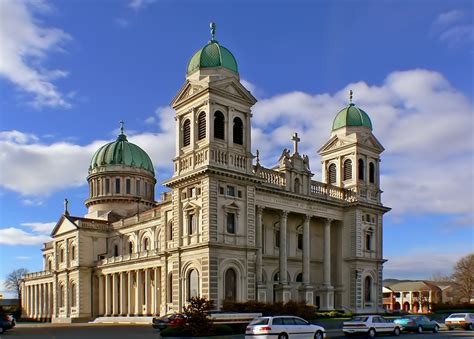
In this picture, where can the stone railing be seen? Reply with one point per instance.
(40, 274)
(271, 177)
(330, 191)
(128, 257)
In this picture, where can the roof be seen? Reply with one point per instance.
(413, 286)
(212, 55)
(122, 152)
(351, 115)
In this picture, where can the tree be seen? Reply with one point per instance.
(13, 281)
(198, 315)
(463, 277)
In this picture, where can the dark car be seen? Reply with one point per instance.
(417, 323)
(5, 324)
(12, 319)
(169, 320)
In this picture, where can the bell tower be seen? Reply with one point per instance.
(351, 157)
(213, 114)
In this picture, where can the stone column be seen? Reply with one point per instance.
(156, 296)
(40, 301)
(123, 294)
(115, 293)
(130, 293)
(258, 241)
(107, 295)
(327, 300)
(306, 250)
(147, 292)
(283, 252)
(51, 300)
(46, 300)
(101, 295)
(139, 294)
(27, 301)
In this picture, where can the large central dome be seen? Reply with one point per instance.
(212, 55)
(122, 152)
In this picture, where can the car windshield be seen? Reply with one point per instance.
(363, 319)
(457, 315)
(412, 317)
(259, 321)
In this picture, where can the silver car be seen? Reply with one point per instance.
(283, 327)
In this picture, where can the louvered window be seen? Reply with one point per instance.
(187, 132)
(219, 125)
(332, 173)
(347, 169)
(202, 126)
(238, 131)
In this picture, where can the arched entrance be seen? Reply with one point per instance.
(396, 306)
(406, 306)
(415, 307)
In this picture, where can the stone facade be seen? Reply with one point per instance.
(227, 228)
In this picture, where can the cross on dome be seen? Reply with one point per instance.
(212, 25)
(296, 140)
(121, 126)
(350, 97)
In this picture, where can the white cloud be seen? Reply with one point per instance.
(15, 236)
(26, 43)
(139, 4)
(453, 28)
(40, 227)
(22, 257)
(421, 264)
(449, 17)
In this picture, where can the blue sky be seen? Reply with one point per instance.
(71, 70)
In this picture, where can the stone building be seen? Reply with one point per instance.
(229, 228)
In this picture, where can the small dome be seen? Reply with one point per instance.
(212, 55)
(122, 152)
(351, 115)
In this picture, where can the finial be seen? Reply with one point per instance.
(258, 158)
(350, 96)
(296, 140)
(121, 126)
(66, 202)
(212, 25)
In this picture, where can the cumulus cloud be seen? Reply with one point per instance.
(26, 43)
(35, 233)
(139, 4)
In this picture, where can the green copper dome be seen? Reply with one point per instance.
(212, 55)
(351, 115)
(122, 152)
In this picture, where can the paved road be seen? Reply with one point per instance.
(88, 331)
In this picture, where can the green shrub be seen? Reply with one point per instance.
(198, 316)
(291, 307)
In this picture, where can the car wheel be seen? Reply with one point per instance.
(371, 333)
(396, 331)
(318, 335)
(283, 336)
(436, 329)
(469, 327)
(419, 329)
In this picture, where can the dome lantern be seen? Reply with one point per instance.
(351, 115)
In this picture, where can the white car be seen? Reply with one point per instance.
(283, 327)
(370, 325)
(463, 320)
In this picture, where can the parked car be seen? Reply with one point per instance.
(462, 320)
(12, 319)
(283, 327)
(370, 325)
(5, 324)
(417, 323)
(169, 320)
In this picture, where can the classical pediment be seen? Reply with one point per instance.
(334, 143)
(372, 142)
(187, 91)
(64, 225)
(233, 87)
(189, 206)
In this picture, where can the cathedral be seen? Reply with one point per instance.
(227, 228)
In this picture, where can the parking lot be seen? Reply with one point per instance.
(89, 331)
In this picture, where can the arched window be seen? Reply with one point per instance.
(193, 284)
(73, 252)
(368, 289)
(219, 125)
(371, 172)
(299, 277)
(332, 173)
(348, 169)
(276, 277)
(61, 256)
(238, 131)
(73, 295)
(230, 285)
(368, 239)
(170, 230)
(116, 252)
(361, 169)
(202, 126)
(187, 132)
(297, 185)
(61, 295)
(130, 247)
(146, 244)
(170, 288)
(50, 265)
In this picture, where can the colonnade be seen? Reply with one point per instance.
(130, 293)
(285, 294)
(37, 300)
